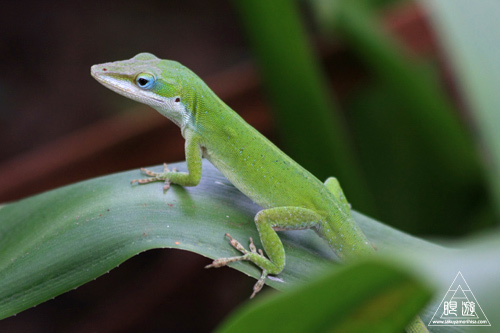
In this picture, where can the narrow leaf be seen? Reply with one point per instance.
(469, 33)
(365, 297)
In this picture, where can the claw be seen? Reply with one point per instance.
(221, 262)
(145, 180)
(149, 172)
(260, 283)
(236, 244)
(166, 185)
(155, 176)
(246, 256)
(252, 246)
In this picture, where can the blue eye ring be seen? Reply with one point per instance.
(145, 80)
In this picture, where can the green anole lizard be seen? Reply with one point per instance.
(291, 197)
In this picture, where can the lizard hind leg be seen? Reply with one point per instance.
(333, 185)
(246, 256)
(267, 222)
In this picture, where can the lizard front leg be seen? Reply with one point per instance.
(190, 178)
(267, 222)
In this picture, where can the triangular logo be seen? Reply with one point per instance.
(459, 307)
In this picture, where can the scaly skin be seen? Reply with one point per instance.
(291, 197)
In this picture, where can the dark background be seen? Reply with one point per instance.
(47, 48)
(50, 109)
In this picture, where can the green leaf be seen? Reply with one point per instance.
(59, 240)
(369, 296)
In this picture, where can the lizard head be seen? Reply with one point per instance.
(164, 85)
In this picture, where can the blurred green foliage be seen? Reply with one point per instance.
(410, 158)
(308, 118)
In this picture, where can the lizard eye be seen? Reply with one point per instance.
(145, 80)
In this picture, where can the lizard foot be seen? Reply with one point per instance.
(155, 177)
(247, 255)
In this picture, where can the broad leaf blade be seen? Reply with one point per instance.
(58, 240)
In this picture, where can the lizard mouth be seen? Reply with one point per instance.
(123, 85)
